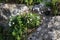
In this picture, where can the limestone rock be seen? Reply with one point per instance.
(49, 30)
(9, 10)
(41, 8)
(54, 22)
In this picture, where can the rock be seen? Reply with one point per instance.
(49, 30)
(47, 0)
(54, 22)
(9, 10)
(42, 31)
(41, 8)
(16, 8)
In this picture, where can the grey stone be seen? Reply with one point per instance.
(54, 22)
(9, 10)
(40, 8)
(51, 32)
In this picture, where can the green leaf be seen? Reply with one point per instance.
(30, 2)
(18, 38)
(54, 1)
(14, 33)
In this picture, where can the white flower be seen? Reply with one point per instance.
(10, 16)
(31, 14)
(17, 13)
(30, 19)
(28, 22)
(13, 23)
(10, 19)
(10, 22)
(38, 17)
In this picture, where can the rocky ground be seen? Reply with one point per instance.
(48, 30)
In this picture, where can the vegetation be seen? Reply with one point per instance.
(20, 24)
(1, 36)
(53, 5)
(27, 2)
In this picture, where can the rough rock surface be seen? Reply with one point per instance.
(9, 10)
(49, 29)
(42, 9)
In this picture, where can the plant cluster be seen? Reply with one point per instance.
(53, 5)
(28, 2)
(21, 23)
